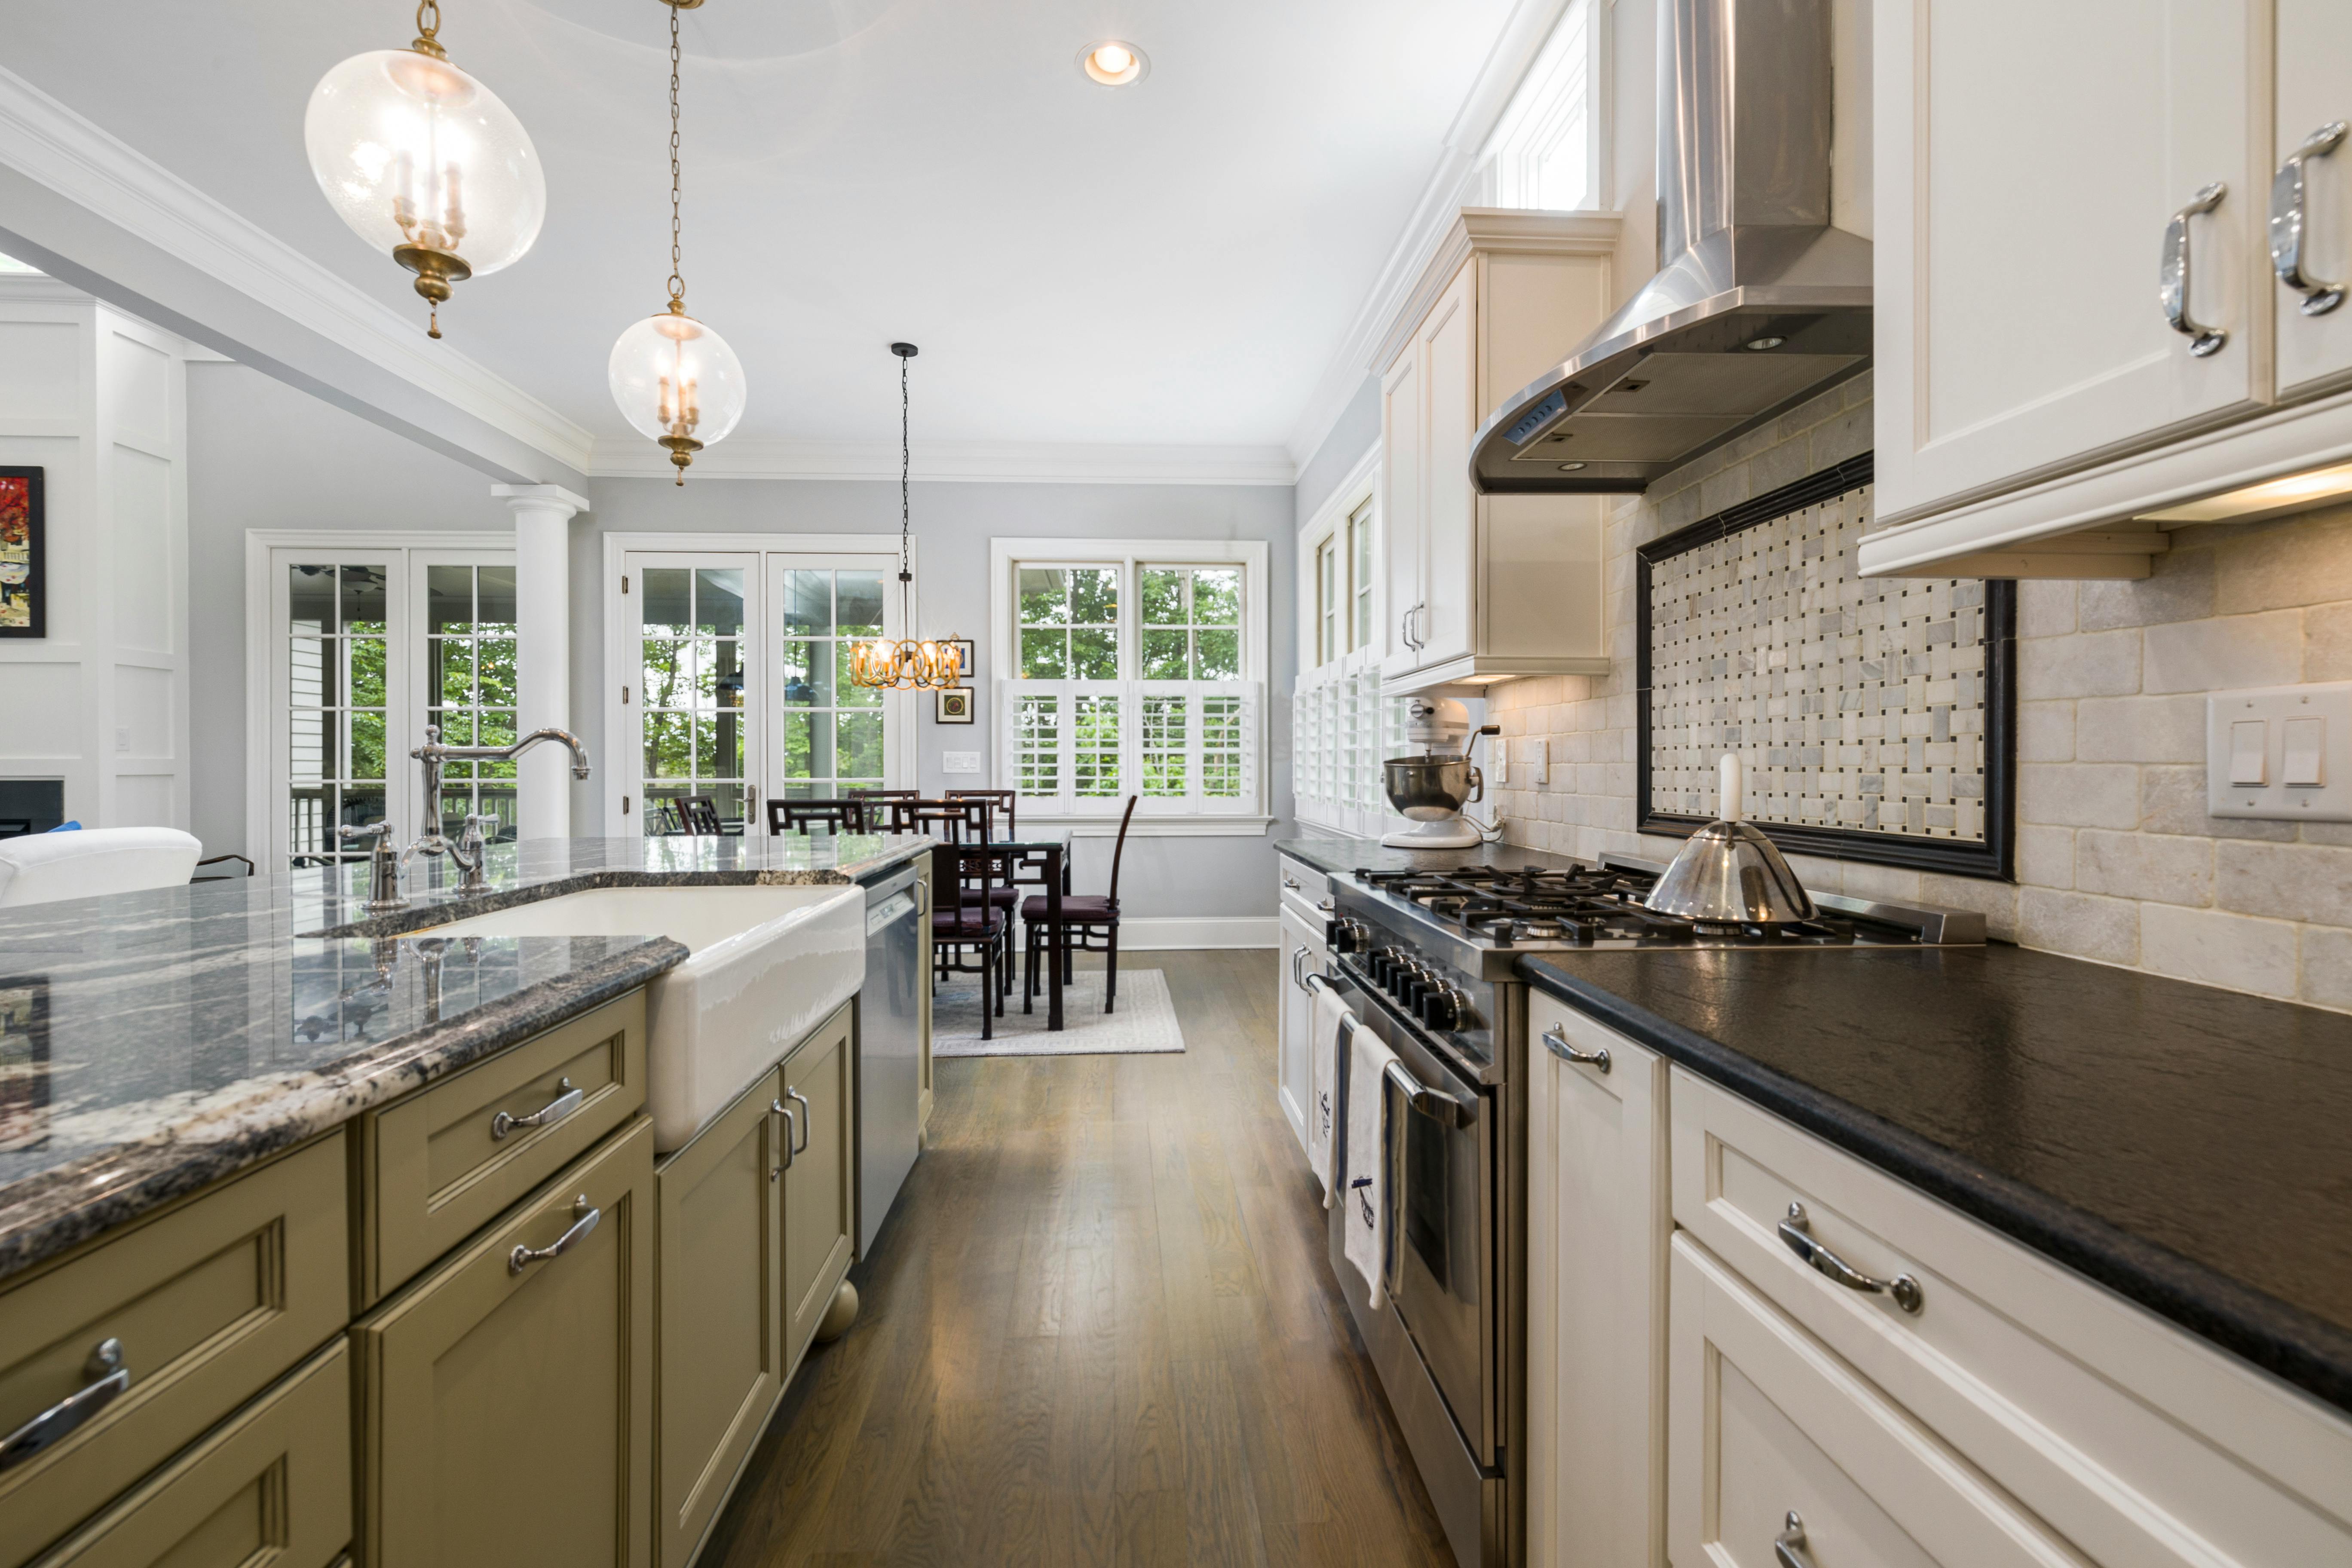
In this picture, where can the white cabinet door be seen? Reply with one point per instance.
(1302, 949)
(1448, 346)
(1597, 1212)
(2315, 91)
(1401, 512)
(2029, 158)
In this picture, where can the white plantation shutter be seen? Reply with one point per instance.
(1343, 728)
(1079, 748)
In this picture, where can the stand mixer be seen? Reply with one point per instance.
(1431, 789)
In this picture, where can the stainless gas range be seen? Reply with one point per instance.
(1427, 961)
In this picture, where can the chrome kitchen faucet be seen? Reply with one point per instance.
(469, 849)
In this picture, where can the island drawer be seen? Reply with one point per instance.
(153, 1334)
(437, 1165)
(273, 1485)
(2138, 1442)
(1303, 889)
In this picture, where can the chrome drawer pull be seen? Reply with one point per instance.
(807, 1115)
(791, 1136)
(2287, 222)
(2173, 277)
(1329, 906)
(1796, 1233)
(522, 1258)
(1558, 1046)
(567, 1100)
(1789, 1546)
(108, 1377)
(1291, 883)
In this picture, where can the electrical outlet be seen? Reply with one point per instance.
(1543, 762)
(1500, 760)
(958, 762)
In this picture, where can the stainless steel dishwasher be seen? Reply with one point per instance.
(889, 1047)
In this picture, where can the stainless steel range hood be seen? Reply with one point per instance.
(1759, 303)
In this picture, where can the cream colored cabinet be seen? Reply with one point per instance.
(1598, 1228)
(507, 1397)
(2044, 408)
(720, 1364)
(819, 1178)
(1477, 589)
(1303, 952)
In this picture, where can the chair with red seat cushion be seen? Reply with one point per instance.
(1083, 917)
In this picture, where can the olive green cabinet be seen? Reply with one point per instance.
(820, 1177)
(719, 1363)
(505, 1397)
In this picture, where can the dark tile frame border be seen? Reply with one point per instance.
(1993, 858)
(36, 580)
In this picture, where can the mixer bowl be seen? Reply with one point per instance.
(1431, 788)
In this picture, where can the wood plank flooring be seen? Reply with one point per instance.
(1098, 1330)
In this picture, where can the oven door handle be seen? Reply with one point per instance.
(1438, 1106)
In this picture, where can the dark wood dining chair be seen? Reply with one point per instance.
(956, 821)
(800, 816)
(981, 924)
(1084, 918)
(1006, 801)
(700, 815)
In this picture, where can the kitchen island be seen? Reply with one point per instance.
(268, 1158)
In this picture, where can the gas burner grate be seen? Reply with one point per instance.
(1503, 906)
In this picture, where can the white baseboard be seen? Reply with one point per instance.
(1173, 932)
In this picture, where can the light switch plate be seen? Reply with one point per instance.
(2307, 726)
(958, 762)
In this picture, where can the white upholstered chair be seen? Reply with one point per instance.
(38, 868)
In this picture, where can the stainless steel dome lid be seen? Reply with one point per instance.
(1730, 872)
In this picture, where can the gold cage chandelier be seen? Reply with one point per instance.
(909, 664)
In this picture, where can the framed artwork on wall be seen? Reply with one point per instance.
(23, 582)
(954, 705)
(968, 656)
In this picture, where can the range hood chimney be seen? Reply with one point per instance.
(1758, 304)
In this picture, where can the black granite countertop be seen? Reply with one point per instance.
(1341, 856)
(2184, 1146)
(153, 1043)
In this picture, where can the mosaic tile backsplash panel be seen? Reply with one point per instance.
(1856, 704)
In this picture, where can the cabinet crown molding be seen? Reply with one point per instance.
(1496, 231)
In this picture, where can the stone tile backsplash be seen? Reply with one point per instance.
(2117, 860)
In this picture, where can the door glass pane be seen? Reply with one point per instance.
(470, 688)
(335, 699)
(693, 677)
(830, 732)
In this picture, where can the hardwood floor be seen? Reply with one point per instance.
(1098, 1329)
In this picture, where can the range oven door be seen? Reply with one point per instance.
(1442, 1247)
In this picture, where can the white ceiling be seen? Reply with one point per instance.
(1173, 262)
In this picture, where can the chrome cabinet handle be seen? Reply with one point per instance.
(1789, 1546)
(1557, 1043)
(1329, 906)
(108, 1378)
(2287, 213)
(791, 1136)
(2173, 279)
(585, 1219)
(1796, 1233)
(1298, 967)
(567, 1100)
(1292, 883)
(807, 1115)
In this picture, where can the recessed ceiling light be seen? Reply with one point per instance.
(1113, 64)
(1569, 468)
(1760, 344)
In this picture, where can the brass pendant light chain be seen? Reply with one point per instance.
(428, 22)
(676, 282)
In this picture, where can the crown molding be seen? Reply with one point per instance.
(1434, 218)
(1497, 231)
(970, 462)
(53, 146)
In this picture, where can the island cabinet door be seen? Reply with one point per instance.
(506, 1397)
(720, 1362)
(820, 1180)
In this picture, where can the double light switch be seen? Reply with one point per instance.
(2283, 752)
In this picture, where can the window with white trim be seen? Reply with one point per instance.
(1341, 726)
(1137, 669)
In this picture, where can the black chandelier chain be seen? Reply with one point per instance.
(676, 282)
(906, 462)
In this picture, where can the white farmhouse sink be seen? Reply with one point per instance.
(768, 965)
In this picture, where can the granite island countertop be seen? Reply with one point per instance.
(2183, 1146)
(153, 1043)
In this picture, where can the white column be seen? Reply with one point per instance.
(543, 515)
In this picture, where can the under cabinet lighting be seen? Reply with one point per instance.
(2271, 498)
(1760, 344)
(1113, 63)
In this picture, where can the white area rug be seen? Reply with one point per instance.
(1144, 1024)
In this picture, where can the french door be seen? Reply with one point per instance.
(732, 674)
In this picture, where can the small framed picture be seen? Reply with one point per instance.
(23, 582)
(966, 655)
(954, 705)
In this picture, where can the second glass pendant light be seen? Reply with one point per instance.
(675, 380)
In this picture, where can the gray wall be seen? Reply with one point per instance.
(1357, 427)
(264, 455)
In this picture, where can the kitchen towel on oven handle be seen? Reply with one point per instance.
(1364, 1165)
(1334, 1023)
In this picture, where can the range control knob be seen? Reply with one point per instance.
(1344, 935)
(1443, 1007)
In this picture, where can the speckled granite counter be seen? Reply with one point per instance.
(153, 1043)
(2183, 1146)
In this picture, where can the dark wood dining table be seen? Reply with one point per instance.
(1043, 863)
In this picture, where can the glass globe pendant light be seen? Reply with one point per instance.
(909, 664)
(425, 161)
(675, 380)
